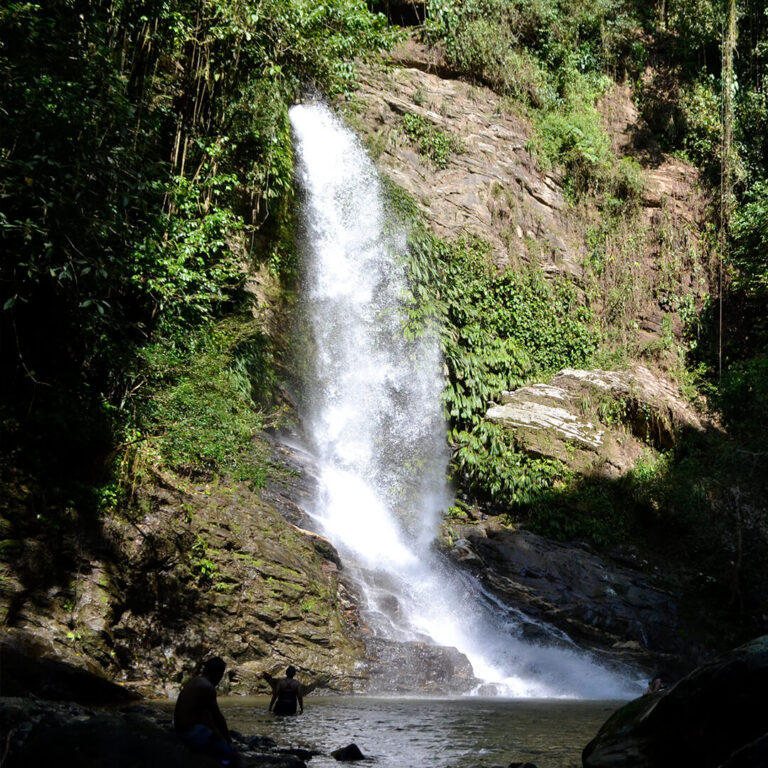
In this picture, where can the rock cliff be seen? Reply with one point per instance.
(193, 568)
(494, 187)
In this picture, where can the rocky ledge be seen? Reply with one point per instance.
(596, 421)
(42, 733)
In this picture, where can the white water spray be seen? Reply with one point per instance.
(374, 417)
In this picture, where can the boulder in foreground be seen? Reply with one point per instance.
(712, 718)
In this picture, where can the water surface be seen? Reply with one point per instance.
(466, 732)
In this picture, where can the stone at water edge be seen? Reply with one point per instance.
(349, 753)
(712, 718)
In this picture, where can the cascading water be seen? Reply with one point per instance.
(374, 418)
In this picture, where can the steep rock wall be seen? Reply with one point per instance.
(191, 569)
(496, 189)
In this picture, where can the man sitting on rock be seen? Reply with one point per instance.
(286, 693)
(198, 719)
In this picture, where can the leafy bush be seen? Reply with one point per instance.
(752, 130)
(199, 410)
(575, 140)
(497, 330)
(476, 35)
(488, 50)
(434, 144)
(750, 239)
(702, 128)
(743, 392)
(490, 467)
(625, 182)
(579, 509)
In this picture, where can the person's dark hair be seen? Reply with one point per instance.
(291, 671)
(214, 669)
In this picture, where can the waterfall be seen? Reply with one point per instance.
(373, 415)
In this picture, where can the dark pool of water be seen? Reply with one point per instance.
(466, 732)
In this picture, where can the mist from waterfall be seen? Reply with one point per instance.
(373, 415)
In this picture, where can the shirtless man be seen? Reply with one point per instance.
(197, 717)
(286, 693)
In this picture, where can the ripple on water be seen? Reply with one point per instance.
(465, 732)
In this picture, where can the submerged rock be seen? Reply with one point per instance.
(712, 718)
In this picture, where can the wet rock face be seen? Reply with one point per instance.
(598, 605)
(417, 667)
(195, 569)
(596, 421)
(714, 717)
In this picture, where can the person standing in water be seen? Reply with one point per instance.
(287, 694)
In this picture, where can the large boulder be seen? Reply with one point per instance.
(406, 667)
(35, 666)
(713, 718)
(596, 421)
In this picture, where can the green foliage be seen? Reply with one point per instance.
(579, 509)
(497, 329)
(574, 139)
(198, 411)
(624, 184)
(142, 146)
(204, 567)
(743, 392)
(695, 24)
(476, 43)
(752, 129)
(701, 126)
(524, 47)
(491, 468)
(435, 145)
(750, 240)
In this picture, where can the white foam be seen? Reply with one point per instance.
(374, 416)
